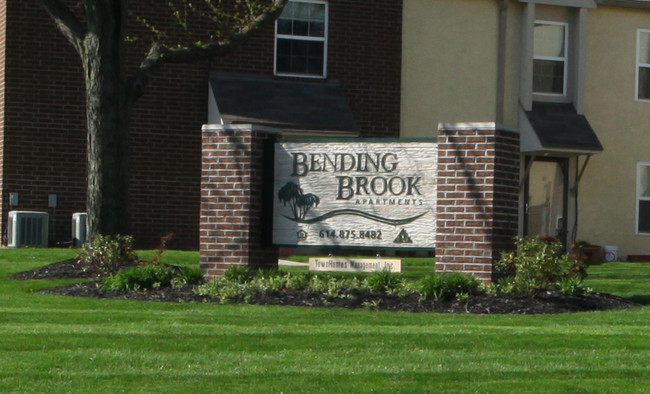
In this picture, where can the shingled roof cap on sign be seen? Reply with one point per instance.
(285, 104)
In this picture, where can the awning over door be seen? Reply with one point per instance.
(303, 106)
(557, 128)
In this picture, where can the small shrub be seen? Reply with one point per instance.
(239, 274)
(462, 297)
(332, 286)
(383, 281)
(445, 287)
(228, 291)
(270, 279)
(105, 255)
(573, 286)
(296, 281)
(539, 264)
(343, 287)
(317, 284)
(489, 288)
(188, 276)
(149, 276)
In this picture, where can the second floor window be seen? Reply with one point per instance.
(643, 65)
(643, 198)
(301, 40)
(550, 58)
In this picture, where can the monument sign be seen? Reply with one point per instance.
(355, 194)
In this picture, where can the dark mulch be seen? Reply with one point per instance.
(541, 303)
(66, 269)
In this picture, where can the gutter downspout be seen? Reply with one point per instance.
(501, 62)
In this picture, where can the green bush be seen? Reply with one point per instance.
(151, 276)
(228, 291)
(141, 277)
(270, 279)
(540, 264)
(573, 286)
(239, 274)
(333, 286)
(105, 255)
(383, 281)
(188, 276)
(298, 281)
(445, 287)
(240, 285)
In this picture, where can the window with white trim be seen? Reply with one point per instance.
(643, 198)
(301, 39)
(643, 65)
(550, 62)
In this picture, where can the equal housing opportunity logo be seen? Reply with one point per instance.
(354, 193)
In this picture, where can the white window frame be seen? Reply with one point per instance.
(564, 59)
(639, 198)
(639, 64)
(292, 37)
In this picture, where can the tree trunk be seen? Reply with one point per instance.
(107, 111)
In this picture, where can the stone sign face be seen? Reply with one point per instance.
(354, 265)
(355, 194)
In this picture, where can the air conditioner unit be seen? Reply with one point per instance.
(27, 228)
(78, 229)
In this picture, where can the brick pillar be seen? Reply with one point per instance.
(477, 208)
(232, 224)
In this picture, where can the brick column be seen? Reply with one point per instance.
(477, 209)
(232, 224)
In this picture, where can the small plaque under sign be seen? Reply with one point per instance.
(354, 265)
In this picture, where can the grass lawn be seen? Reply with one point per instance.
(65, 344)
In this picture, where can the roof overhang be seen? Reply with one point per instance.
(642, 4)
(296, 107)
(558, 130)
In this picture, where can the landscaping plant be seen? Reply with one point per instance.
(540, 264)
(383, 281)
(152, 276)
(447, 286)
(240, 284)
(105, 255)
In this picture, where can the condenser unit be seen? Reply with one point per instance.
(78, 229)
(27, 228)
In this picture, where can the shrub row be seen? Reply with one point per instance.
(152, 276)
(105, 256)
(240, 284)
(539, 264)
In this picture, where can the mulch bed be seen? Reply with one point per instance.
(542, 303)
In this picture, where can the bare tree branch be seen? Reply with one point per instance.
(67, 22)
(160, 54)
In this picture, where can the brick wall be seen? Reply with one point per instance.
(364, 54)
(43, 123)
(478, 172)
(232, 211)
(44, 120)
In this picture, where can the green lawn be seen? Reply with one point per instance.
(65, 344)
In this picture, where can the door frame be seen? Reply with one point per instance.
(563, 163)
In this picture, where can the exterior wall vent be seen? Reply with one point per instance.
(78, 229)
(27, 228)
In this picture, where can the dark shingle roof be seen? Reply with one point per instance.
(294, 105)
(559, 126)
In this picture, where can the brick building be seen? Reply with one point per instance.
(353, 51)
